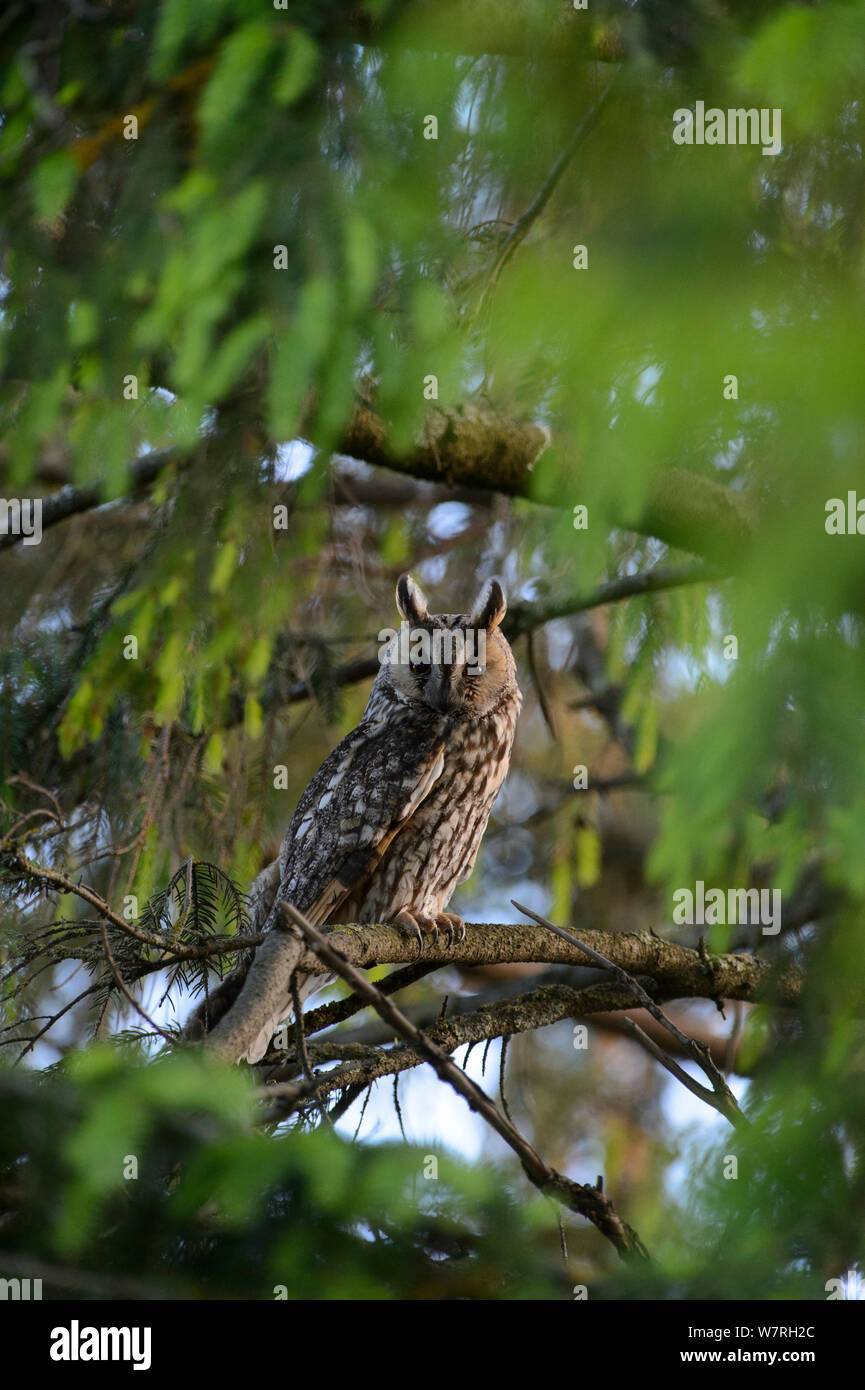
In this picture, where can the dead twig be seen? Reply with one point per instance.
(586, 1200)
(125, 990)
(720, 1097)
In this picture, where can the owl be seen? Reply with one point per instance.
(392, 820)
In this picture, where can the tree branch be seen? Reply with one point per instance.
(367, 1061)
(525, 617)
(482, 449)
(523, 225)
(679, 971)
(720, 1097)
(261, 995)
(126, 991)
(69, 501)
(490, 27)
(473, 446)
(587, 1201)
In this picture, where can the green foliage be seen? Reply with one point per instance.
(156, 1175)
(751, 1225)
(279, 239)
(809, 64)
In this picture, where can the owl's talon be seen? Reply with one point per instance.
(409, 926)
(451, 923)
(427, 924)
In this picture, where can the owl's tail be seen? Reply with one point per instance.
(217, 1002)
(307, 985)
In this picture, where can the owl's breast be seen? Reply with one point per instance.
(436, 849)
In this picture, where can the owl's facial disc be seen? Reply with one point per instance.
(448, 666)
(453, 664)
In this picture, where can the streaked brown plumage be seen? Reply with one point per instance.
(392, 820)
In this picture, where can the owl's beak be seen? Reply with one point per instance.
(437, 693)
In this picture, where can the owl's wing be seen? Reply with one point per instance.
(360, 798)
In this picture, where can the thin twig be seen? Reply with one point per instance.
(122, 986)
(503, 1058)
(397, 1106)
(525, 617)
(55, 1018)
(300, 1044)
(720, 1097)
(585, 1200)
(339, 1010)
(524, 223)
(61, 884)
(546, 708)
(633, 1028)
(299, 1031)
(344, 1104)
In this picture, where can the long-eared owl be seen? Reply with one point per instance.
(392, 820)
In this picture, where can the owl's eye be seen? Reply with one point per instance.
(419, 668)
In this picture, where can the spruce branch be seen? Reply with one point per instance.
(720, 1097)
(586, 1200)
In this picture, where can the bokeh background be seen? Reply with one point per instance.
(290, 305)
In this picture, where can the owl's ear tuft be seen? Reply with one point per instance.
(490, 606)
(410, 600)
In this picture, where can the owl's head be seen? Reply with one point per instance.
(454, 664)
